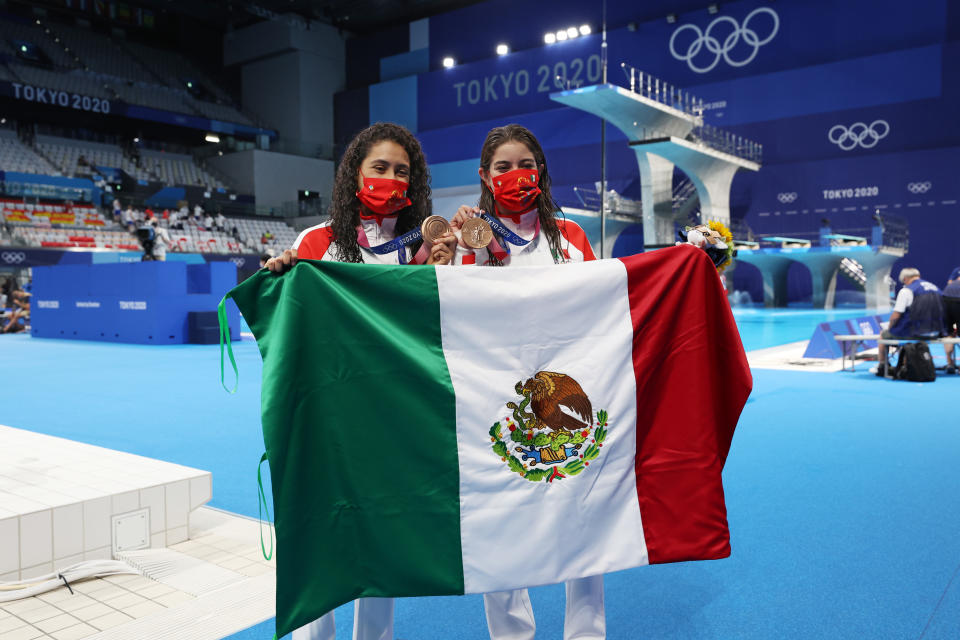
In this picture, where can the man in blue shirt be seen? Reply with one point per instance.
(917, 313)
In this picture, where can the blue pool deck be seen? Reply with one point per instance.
(840, 489)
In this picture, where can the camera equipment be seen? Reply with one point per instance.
(147, 236)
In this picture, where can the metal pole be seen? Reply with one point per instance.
(603, 141)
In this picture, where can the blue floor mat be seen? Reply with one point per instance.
(841, 492)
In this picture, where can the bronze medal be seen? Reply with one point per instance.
(434, 227)
(476, 233)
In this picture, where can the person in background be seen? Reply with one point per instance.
(128, 219)
(221, 222)
(117, 210)
(161, 241)
(197, 212)
(20, 303)
(951, 316)
(208, 222)
(264, 258)
(917, 313)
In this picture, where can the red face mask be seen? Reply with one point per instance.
(384, 196)
(516, 190)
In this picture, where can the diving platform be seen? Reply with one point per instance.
(666, 132)
(824, 265)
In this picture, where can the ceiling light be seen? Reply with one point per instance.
(572, 32)
(549, 38)
(502, 49)
(448, 62)
(561, 35)
(585, 29)
(212, 137)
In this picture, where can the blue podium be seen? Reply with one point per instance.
(142, 302)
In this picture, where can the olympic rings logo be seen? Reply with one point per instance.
(238, 261)
(919, 187)
(13, 257)
(787, 198)
(706, 39)
(858, 134)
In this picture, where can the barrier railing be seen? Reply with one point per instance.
(653, 88)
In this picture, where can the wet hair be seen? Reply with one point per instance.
(344, 204)
(546, 205)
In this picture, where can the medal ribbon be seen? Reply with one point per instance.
(508, 236)
(397, 244)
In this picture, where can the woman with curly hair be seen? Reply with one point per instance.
(515, 200)
(381, 193)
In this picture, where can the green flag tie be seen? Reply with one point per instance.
(225, 335)
(262, 504)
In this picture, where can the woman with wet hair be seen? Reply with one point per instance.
(516, 202)
(381, 193)
(515, 198)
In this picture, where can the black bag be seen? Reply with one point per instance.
(915, 363)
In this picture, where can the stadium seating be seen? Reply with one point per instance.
(91, 63)
(64, 153)
(11, 31)
(15, 156)
(63, 226)
(195, 240)
(175, 168)
(74, 81)
(99, 53)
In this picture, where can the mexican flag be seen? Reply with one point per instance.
(450, 430)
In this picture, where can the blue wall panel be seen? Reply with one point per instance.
(395, 101)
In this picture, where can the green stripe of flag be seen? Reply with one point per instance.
(391, 493)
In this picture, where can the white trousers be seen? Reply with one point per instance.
(510, 616)
(372, 620)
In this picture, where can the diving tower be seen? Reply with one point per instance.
(665, 128)
(872, 263)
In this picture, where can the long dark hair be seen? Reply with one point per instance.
(546, 205)
(344, 205)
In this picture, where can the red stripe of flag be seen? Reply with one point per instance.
(692, 383)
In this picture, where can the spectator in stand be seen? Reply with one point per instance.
(148, 215)
(128, 219)
(184, 211)
(266, 237)
(221, 222)
(263, 259)
(197, 211)
(161, 241)
(208, 222)
(917, 313)
(166, 215)
(951, 316)
(20, 303)
(117, 210)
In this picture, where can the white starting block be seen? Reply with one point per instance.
(63, 502)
